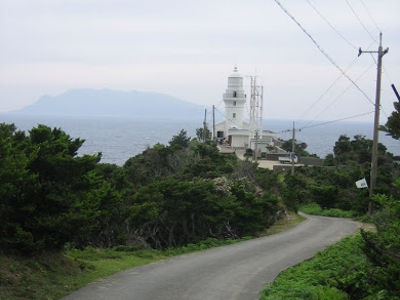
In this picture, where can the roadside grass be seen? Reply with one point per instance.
(284, 224)
(332, 274)
(48, 276)
(54, 275)
(315, 209)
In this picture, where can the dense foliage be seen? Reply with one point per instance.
(363, 267)
(41, 183)
(299, 148)
(333, 274)
(169, 195)
(393, 122)
(383, 247)
(333, 186)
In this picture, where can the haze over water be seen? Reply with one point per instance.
(121, 138)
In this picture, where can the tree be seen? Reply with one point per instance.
(393, 122)
(342, 147)
(299, 148)
(383, 246)
(179, 141)
(37, 213)
(203, 135)
(15, 180)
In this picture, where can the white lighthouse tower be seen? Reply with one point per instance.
(234, 130)
(235, 100)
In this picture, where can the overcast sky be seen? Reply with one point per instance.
(188, 48)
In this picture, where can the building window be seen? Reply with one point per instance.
(234, 94)
(234, 115)
(220, 134)
(234, 103)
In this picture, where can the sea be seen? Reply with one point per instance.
(118, 139)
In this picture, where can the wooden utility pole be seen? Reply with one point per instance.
(214, 133)
(374, 159)
(293, 148)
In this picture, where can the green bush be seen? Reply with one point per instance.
(315, 209)
(41, 181)
(334, 272)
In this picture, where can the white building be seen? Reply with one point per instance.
(234, 131)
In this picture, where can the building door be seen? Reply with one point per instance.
(230, 140)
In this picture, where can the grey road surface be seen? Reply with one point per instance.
(237, 271)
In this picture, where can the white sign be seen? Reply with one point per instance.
(362, 184)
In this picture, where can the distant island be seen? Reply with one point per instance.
(106, 102)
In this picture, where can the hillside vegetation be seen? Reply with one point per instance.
(167, 196)
(56, 206)
(365, 266)
(61, 211)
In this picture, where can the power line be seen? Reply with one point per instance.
(332, 85)
(323, 51)
(339, 96)
(328, 122)
(359, 20)
(326, 91)
(330, 25)
(370, 16)
(338, 120)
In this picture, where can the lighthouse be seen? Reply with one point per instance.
(238, 130)
(234, 100)
(234, 130)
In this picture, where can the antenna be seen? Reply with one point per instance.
(205, 126)
(256, 105)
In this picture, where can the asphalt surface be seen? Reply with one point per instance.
(237, 271)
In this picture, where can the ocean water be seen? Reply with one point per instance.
(121, 138)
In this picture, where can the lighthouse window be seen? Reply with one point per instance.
(234, 94)
(234, 103)
(234, 115)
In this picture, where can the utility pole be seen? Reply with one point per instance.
(293, 148)
(205, 126)
(374, 159)
(214, 133)
(256, 147)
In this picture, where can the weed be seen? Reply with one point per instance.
(315, 209)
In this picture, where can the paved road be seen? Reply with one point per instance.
(238, 271)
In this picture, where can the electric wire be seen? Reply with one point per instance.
(327, 122)
(359, 20)
(319, 99)
(331, 25)
(370, 16)
(323, 51)
(339, 96)
(338, 120)
(330, 87)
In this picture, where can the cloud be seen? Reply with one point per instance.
(187, 48)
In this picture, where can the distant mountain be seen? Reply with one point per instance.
(105, 102)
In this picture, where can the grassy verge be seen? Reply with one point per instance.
(335, 273)
(284, 224)
(51, 276)
(315, 209)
